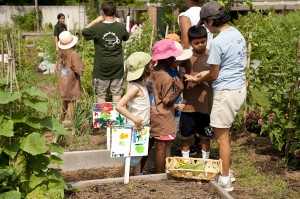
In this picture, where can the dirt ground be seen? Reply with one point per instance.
(269, 160)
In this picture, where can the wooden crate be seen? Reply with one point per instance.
(212, 168)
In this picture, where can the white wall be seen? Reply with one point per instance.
(75, 16)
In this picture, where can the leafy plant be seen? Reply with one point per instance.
(24, 159)
(82, 116)
(28, 21)
(278, 73)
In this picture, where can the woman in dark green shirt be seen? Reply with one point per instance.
(59, 27)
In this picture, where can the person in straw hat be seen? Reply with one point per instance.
(69, 68)
(136, 98)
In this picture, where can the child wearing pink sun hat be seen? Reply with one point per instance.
(162, 121)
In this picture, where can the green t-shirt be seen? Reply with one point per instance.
(108, 58)
(58, 28)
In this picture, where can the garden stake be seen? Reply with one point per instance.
(247, 72)
(2, 54)
(19, 46)
(127, 170)
(152, 35)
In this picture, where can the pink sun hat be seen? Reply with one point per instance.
(164, 49)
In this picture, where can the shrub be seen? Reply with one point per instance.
(27, 22)
(278, 73)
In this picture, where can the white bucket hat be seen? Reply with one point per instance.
(66, 40)
(187, 53)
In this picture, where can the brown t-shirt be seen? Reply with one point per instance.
(69, 86)
(161, 117)
(197, 97)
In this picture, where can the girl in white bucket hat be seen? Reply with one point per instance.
(69, 68)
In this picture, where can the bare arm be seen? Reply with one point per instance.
(56, 40)
(95, 21)
(205, 76)
(173, 98)
(132, 92)
(185, 24)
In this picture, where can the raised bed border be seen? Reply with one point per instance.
(152, 177)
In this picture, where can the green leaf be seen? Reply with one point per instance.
(34, 122)
(34, 144)
(34, 91)
(55, 159)
(18, 117)
(52, 124)
(56, 148)
(6, 97)
(36, 104)
(11, 149)
(35, 181)
(6, 128)
(39, 162)
(5, 173)
(11, 195)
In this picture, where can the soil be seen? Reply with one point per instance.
(268, 160)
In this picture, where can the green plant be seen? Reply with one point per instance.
(143, 43)
(28, 21)
(24, 160)
(82, 116)
(277, 74)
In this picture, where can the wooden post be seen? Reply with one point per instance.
(247, 82)
(37, 15)
(167, 30)
(19, 46)
(108, 130)
(2, 54)
(152, 36)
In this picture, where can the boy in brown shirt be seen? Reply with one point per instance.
(195, 117)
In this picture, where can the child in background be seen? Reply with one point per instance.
(136, 98)
(162, 111)
(198, 97)
(69, 68)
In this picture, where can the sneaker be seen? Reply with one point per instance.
(232, 178)
(193, 150)
(226, 186)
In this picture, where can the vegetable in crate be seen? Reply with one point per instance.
(193, 166)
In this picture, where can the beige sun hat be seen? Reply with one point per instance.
(135, 64)
(187, 53)
(66, 40)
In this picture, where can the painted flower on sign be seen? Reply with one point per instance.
(106, 108)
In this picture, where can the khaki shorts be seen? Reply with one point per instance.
(101, 87)
(226, 104)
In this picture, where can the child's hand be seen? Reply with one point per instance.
(190, 78)
(178, 83)
(179, 107)
(202, 74)
(182, 71)
(138, 124)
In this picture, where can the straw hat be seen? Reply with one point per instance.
(66, 40)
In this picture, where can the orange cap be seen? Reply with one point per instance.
(173, 36)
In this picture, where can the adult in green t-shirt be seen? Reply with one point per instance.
(59, 27)
(108, 59)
